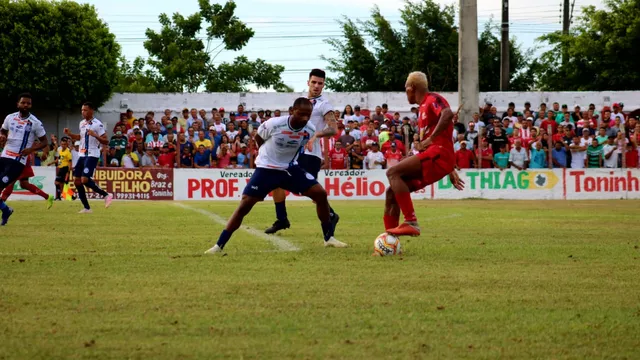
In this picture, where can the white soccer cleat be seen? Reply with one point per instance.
(85, 211)
(214, 250)
(333, 242)
(107, 200)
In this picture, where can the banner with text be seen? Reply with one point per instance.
(134, 184)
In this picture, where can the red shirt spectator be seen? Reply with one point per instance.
(338, 156)
(550, 122)
(401, 148)
(370, 138)
(166, 159)
(631, 156)
(224, 159)
(392, 155)
(487, 156)
(464, 156)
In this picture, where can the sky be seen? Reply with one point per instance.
(292, 32)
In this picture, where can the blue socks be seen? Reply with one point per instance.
(281, 211)
(327, 230)
(224, 238)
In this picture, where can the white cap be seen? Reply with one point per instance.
(77, 143)
(530, 118)
(384, 127)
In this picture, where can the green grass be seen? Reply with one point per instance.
(487, 279)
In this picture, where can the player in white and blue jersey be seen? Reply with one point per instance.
(281, 140)
(324, 120)
(21, 129)
(92, 136)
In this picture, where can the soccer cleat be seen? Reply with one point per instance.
(214, 250)
(334, 221)
(6, 214)
(50, 201)
(333, 242)
(405, 229)
(85, 211)
(277, 226)
(107, 200)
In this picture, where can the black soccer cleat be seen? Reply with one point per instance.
(277, 226)
(334, 221)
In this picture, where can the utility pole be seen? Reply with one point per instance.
(565, 17)
(468, 77)
(504, 49)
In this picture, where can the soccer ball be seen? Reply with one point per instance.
(386, 245)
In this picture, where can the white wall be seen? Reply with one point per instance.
(141, 103)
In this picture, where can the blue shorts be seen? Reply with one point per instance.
(264, 181)
(10, 171)
(310, 164)
(85, 167)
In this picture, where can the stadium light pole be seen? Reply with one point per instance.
(468, 80)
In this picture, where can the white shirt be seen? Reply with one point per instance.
(585, 142)
(357, 134)
(371, 158)
(74, 157)
(232, 135)
(282, 143)
(220, 128)
(89, 145)
(127, 162)
(577, 158)
(321, 107)
(22, 134)
(618, 115)
(518, 157)
(612, 161)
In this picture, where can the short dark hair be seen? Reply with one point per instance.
(318, 73)
(89, 105)
(24, 95)
(302, 101)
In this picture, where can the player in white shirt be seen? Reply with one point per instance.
(324, 120)
(21, 129)
(92, 135)
(280, 142)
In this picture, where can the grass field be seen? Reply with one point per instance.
(487, 279)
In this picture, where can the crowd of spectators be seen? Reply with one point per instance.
(518, 138)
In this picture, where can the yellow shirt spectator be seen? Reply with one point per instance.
(206, 143)
(64, 158)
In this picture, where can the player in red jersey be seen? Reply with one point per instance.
(435, 160)
(27, 172)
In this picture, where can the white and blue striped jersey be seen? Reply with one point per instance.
(321, 107)
(282, 143)
(89, 145)
(22, 133)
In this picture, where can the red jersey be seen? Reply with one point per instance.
(486, 164)
(338, 158)
(631, 158)
(429, 115)
(554, 125)
(393, 158)
(387, 145)
(464, 158)
(166, 159)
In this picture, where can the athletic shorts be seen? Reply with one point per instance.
(264, 181)
(27, 172)
(437, 162)
(10, 171)
(62, 174)
(310, 164)
(85, 167)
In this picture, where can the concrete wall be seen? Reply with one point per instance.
(141, 103)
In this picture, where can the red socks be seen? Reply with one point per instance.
(34, 189)
(390, 222)
(406, 205)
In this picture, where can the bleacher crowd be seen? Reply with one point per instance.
(518, 138)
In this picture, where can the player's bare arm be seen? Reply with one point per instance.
(330, 129)
(71, 135)
(259, 141)
(101, 139)
(37, 146)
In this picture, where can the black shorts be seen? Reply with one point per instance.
(85, 167)
(264, 181)
(310, 164)
(62, 175)
(10, 171)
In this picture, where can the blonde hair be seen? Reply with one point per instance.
(418, 79)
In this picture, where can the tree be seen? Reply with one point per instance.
(427, 41)
(134, 78)
(184, 63)
(602, 50)
(59, 51)
(489, 62)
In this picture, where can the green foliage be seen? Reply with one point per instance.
(602, 51)
(134, 78)
(184, 63)
(61, 52)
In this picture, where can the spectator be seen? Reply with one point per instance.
(392, 155)
(369, 137)
(610, 153)
(386, 113)
(148, 160)
(501, 159)
(167, 157)
(155, 141)
(194, 118)
(559, 155)
(576, 115)
(224, 158)
(585, 140)
(486, 155)
(134, 127)
(630, 126)
(518, 156)
(217, 124)
(560, 114)
(354, 130)
(496, 139)
(566, 121)
(602, 135)
(578, 152)
(615, 128)
(202, 141)
(541, 117)
(130, 160)
(260, 117)
(347, 113)
(374, 158)
(538, 157)
(631, 156)
(130, 117)
(267, 115)
(240, 114)
(550, 121)
(458, 140)
(224, 142)
(242, 157)
(479, 123)
(384, 135)
(140, 152)
(356, 158)
(457, 125)
(527, 107)
(378, 115)
(112, 158)
(119, 142)
(511, 116)
(464, 157)
(357, 115)
(594, 155)
(202, 158)
(347, 139)
(338, 156)
(617, 114)
(507, 125)
(232, 132)
(186, 159)
(560, 134)
(123, 124)
(184, 120)
(472, 133)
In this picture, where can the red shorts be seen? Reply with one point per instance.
(437, 162)
(27, 172)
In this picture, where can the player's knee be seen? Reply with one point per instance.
(77, 181)
(392, 172)
(24, 183)
(85, 180)
(318, 194)
(389, 193)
